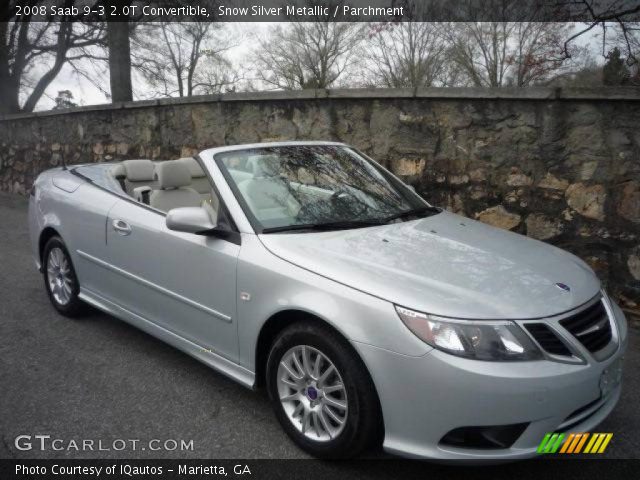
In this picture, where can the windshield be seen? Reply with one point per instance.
(313, 185)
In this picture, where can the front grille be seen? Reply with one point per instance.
(547, 339)
(590, 326)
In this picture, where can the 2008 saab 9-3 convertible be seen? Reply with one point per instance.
(368, 314)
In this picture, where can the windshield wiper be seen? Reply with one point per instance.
(414, 211)
(348, 224)
(338, 225)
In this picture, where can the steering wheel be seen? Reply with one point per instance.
(341, 194)
(340, 199)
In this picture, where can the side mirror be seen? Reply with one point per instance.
(189, 220)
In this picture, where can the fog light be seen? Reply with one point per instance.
(490, 437)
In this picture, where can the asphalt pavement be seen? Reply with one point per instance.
(97, 378)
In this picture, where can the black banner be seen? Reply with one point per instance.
(323, 10)
(538, 469)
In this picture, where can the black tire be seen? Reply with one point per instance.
(363, 426)
(73, 307)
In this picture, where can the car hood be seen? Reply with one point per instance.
(446, 265)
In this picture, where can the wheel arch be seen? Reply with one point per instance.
(276, 323)
(280, 320)
(271, 328)
(46, 234)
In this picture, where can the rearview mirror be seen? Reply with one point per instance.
(189, 220)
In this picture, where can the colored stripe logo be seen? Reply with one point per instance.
(574, 443)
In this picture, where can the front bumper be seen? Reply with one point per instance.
(424, 398)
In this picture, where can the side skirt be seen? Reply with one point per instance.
(209, 358)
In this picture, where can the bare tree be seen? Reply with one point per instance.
(217, 75)
(602, 15)
(183, 59)
(495, 54)
(586, 74)
(407, 55)
(537, 53)
(480, 50)
(307, 55)
(33, 53)
(593, 15)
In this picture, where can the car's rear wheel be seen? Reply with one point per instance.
(321, 392)
(60, 279)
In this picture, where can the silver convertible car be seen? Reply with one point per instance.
(369, 315)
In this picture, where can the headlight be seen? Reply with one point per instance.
(480, 340)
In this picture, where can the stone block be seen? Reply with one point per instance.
(498, 216)
(541, 227)
(587, 200)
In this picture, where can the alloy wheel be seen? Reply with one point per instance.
(59, 276)
(312, 393)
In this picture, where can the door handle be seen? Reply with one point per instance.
(121, 227)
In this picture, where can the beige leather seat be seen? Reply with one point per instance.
(173, 187)
(119, 173)
(267, 193)
(199, 180)
(138, 173)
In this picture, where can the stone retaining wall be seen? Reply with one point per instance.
(562, 166)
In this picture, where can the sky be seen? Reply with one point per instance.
(85, 92)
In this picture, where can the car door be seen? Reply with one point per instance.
(84, 234)
(84, 214)
(184, 282)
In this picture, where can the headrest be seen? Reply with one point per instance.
(265, 165)
(139, 170)
(173, 174)
(118, 171)
(194, 167)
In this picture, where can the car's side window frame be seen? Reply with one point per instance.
(221, 203)
(253, 221)
(233, 232)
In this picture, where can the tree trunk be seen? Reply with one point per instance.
(119, 61)
(8, 86)
(8, 96)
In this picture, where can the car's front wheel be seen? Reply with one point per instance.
(60, 279)
(322, 393)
